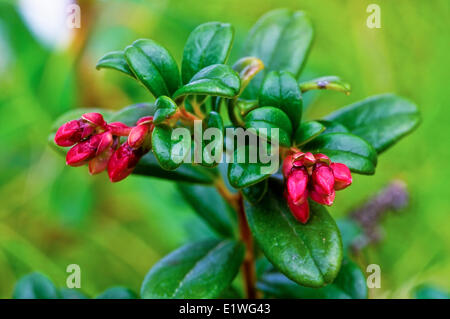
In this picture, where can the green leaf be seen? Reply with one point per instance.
(149, 166)
(153, 66)
(346, 148)
(210, 43)
(244, 172)
(307, 131)
(281, 39)
(210, 206)
(211, 141)
(35, 286)
(71, 293)
(131, 114)
(280, 89)
(270, 118)
(334, 83)
(117, 293)
(169, 150)
(349, 284)
(430, 292)
(215, 80)
(116, 61)
(381, 120)
(230, 293)
(165, 108)
(333, 127)
(311, 253)
(198, 270)
(255, 193)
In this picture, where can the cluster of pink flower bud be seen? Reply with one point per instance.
(314, 176)
(96, 143)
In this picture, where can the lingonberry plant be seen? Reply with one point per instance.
(298, 251)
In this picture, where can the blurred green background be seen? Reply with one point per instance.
(52, 216)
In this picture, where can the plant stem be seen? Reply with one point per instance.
(248, 267)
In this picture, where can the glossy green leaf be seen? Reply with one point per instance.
(211, 141)
(281, 39)
(255, 193)
(230, 293)
(71, 293)
(165, 108)
(333, 127)
(280, 89)
(169, 150)
(117, 293)
(334, 83)
(149, 166)
(381, 120)
(153, 66)
(270, 118)
(198, 270)
(307, 131)
(349, 284)
(35, 286)
(346, 148)
(210, 43)
(215, 80)
(116, 61)
(311, 253)
(210, 206)
(246, 170)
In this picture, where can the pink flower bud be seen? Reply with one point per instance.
(342, 176)
(145, 120)
(88, 149)
(323, 179)
(324, 199)
(99, 163)
(72, 132)
(322, 158)
(138, 135)
(297, 181)
(287, 165)
(309, 159)
(123, 162)
(95, 119)
(300, 212)
(119, 129)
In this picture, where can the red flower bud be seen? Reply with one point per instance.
(123, 162)
(321, 158)
(309, 159)
(73, 132)
(145, 120)
(323, 179)
(99, 163)
(119, 129)
(88, 149)
(321, 198)
(300, 212)
(297, 181)
(138, 135)
(95, 119)
(342, 176)
(287, 165)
